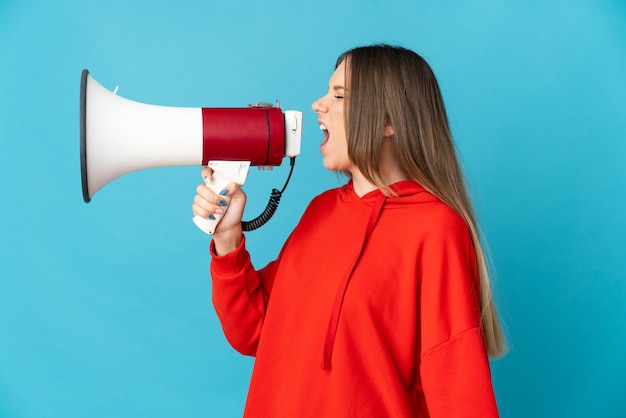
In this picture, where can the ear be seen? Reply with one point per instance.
(388, 133)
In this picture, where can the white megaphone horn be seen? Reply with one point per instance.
(119, 136)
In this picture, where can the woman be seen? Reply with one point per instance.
(379, 303)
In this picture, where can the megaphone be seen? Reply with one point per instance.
(119, 136)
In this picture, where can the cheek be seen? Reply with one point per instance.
(339, 125)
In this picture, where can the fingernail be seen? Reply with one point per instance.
(224, 192)
(206, 179)
(219, 211)
(211, 217)
(222, 203)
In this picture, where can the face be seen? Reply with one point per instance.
(330, 109)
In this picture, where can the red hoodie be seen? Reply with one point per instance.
(370, 310)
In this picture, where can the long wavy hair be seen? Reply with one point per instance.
(394, 86)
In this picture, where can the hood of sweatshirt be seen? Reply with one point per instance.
(407, 192)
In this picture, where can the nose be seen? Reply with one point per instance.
(318, 106)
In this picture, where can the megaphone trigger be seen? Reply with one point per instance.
(224, 173)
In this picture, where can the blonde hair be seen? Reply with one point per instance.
(401, 84)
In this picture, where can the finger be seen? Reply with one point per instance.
(210, 201)
(201, 206)
(207, 174)
(231, 190)
(206, 192)
(199, 210)
(204, 209)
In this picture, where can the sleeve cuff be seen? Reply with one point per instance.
(231, 263)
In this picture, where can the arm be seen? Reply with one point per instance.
(240, 296)
(454, 367)
(456, 378)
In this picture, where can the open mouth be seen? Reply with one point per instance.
(324, 129)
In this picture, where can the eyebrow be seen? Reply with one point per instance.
(338, 87)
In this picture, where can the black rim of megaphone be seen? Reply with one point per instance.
(83, 135)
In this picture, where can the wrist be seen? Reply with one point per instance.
(227, 241)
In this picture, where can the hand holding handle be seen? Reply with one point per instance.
(224, 173)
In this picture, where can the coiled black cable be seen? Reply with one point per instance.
(271, 207)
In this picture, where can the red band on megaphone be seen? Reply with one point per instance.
(243, 134)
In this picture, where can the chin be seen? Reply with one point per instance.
(328, 165)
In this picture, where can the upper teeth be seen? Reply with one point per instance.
(323, 127)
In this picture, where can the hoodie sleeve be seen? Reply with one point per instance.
(454, 367)
(456, 379)
(240, 296)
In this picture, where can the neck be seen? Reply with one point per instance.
(390, 172)
(362, 186)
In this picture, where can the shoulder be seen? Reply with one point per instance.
(324, 199)
(445, 229)
(426, 214)
(442, 217)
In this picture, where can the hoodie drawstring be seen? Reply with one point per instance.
(331, 331)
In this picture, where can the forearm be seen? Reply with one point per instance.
(239, 298)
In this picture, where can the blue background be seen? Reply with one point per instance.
(105, 307)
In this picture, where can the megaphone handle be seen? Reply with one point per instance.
(224, 173)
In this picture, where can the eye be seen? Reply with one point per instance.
(337, 96)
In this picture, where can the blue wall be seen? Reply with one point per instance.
(105, 308)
